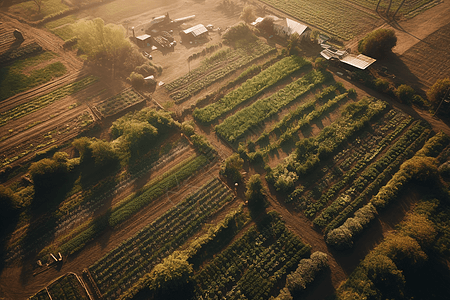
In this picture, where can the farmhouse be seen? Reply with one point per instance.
(195, 32)
(360, 61)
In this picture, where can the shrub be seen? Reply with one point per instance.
(238, 33)
(8, 200)
(381, 85)
(231, 168)
(146, 70)
(437, 92)
(266, 25)
(247, 14)
(136, 79)
(96, 154)
(255, 194)
(405, 93)
(48, 174)
(187, 129)
(378, 42)
(340, 238)
(306, 272)
(321, 63)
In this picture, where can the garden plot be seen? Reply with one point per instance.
(117, 271)
(255, 265)
(67, 287)
(120, 102)
(214, 68)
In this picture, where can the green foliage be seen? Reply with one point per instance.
(247, 14)
(255, 193)
(266, 26)
(405, 93)
(119, 102)
(96, 154)
(231, 168)
(13, 80)
(172, 274)
(238, 124)
(187, 129)
(307, 270)
(437, 92)
(48, 174)
(239, 35)
(250, 88)
(378, 42)
(101, 42)
(136, 79)
(293, 47)
(8, 202)
(45, 100)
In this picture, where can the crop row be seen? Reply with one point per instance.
(313, 207)
(40, 102)
(407, 7)
(125, 265)
(254, 265)
(295, 115)
(368, 176)
(20, 52)
(200, 83)
(119, 102)
(67, 287)
(238, 124)
(328, 15)
(135, 202)
(250, 88)
(353, 118)
(376, 184)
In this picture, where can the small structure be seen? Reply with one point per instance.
(159, 21)
(360, 61)
(195, 32)
(257, 21)
(144, 40)
(287, 27)
(183, 20)
(18, 35)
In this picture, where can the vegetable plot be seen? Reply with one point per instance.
(251, 88)
(120, 102)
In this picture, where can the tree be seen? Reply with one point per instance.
(102, 43)
(293, 46)
(171, 276)
(266, 25)
(8, 200)
(255, 194)
(48, 174)
(231, 168)
(437, 92)
(247, 14)
(96, 154)
(378, 42)
(405, 93)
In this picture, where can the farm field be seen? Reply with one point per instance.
(246, 173)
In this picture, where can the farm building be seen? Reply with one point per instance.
(287, 27)
(144, 40)
(360, 61)
(195, 32)
(183, 20)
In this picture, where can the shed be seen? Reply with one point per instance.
(195, 32)
(287, 27)
(144, 40)
(360, 61)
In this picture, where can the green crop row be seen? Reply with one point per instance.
(329, 15)
(127, 265)
(375, 185)
(369, 175)
(201, 80)
(134, 203)
(250, 88)
(238, 124)
(42, 101)
(67, 287)
(119, 102)
(254, 265)
(349, 176)
(354, 117)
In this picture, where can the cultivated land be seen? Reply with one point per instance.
(328, 149)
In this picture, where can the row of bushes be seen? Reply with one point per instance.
(420, 167)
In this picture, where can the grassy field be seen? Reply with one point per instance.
(15, 78)
(29, 9)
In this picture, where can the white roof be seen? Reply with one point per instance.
(257, 21)
(143, 37)
(361, 61)
(196, 30)
(295, 26)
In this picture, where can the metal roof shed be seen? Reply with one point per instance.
(196, 30)
(361, 61)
